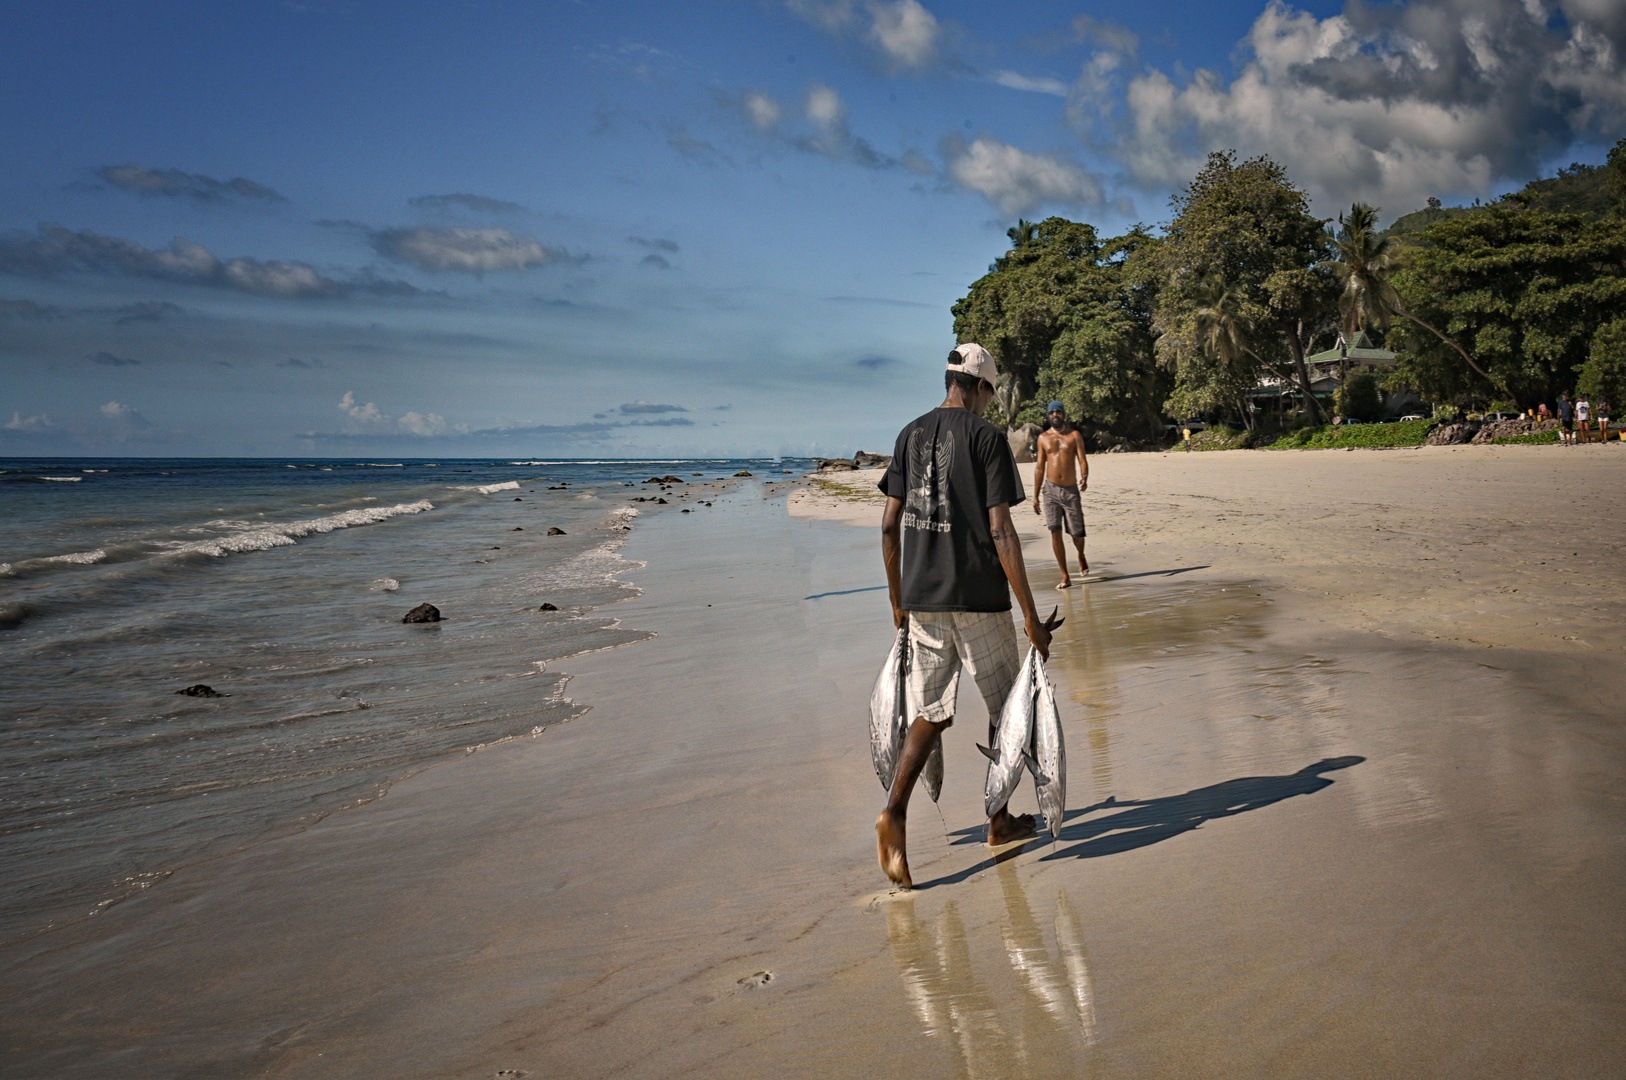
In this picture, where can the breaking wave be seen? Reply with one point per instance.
(270, 536)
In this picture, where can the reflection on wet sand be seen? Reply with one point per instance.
(992, 1028)
(1109, 627)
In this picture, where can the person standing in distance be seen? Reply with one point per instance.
(1060, 475)
(953, 560)
(1566, 420)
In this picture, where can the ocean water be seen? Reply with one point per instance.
(281, 585)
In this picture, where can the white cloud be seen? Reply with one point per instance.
(762, 110)
(1016, 181)
(469, 251)
(904, 33)
(428, 424)
(370, 419)
(53, 249)
(1390, 104)
(1013, 81)
(115, 410)
(824, 106)
(19, 422)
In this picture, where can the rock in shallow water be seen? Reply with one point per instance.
(548, 607)
(556, 531)
(200, 690)
(422, 613)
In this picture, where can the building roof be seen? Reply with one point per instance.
(1361, 351)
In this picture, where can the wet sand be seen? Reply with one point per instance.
(1365, 819)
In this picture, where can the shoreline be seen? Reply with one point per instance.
(684, 881)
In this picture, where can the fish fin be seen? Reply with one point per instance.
(1052, 622)
(987, 753)
(1033, 767)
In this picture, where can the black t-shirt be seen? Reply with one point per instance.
(949, 467)
(1566, 411)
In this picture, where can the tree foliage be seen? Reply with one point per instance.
(1604, 373)
(1068, 315)
(1523, 290)
(1249, 227)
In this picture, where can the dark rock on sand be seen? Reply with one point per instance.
(742, 472)
(1024, 441)
(1504, 429)
(1451, 434)
(548, 607)
(865, 460)
(661, 501)
(200, 690)
(518, 499)
(555, 531)
(839, 464)
(519, 528)
(685, 509)
(422, 613)
(665, 480)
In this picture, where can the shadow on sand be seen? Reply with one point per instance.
(1143, 822)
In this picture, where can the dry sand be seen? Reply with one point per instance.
(1357, 715)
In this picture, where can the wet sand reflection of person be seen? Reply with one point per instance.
(1053, 1022)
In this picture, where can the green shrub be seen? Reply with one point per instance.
(1538, 437)
(1218, 438)
(1327, 437)
(1358, 398)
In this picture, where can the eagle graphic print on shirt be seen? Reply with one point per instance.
(929, 462)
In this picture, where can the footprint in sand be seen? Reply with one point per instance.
(755, 979)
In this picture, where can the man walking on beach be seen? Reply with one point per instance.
(953, 559)
(1061, 474)
(1566, 420)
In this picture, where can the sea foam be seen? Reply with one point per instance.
(488, 489)
(270, 536)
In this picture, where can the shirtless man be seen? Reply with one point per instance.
(1063, 473)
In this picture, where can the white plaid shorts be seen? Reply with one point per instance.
(940, 641)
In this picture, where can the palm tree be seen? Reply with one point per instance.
(1364, 264)
(1023, 234)
(1223, 332)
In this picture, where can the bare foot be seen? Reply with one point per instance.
(889, 841)
(1005, 828)
(1066, 583)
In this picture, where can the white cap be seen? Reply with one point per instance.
(974, 360)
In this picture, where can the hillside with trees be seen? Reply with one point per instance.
(1511, 301)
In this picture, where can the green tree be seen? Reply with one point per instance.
(1364, 264)
(1068, 315)
(1358, 397)
(1524, 290)
(1604, 373)
(1249, 226)
(1614, 182)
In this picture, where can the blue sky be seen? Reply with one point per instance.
(444, 229)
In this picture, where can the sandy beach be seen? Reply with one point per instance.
(1345, 746)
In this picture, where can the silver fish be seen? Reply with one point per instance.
(889, 721)
(1047, 754)
(888, 710)
(932, 774)
(1012, 737)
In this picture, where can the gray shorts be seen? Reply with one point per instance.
(1063, 507)
(941, 641)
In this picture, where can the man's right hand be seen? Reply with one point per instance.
(1039, 636)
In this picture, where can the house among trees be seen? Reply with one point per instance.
(1354, 366)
